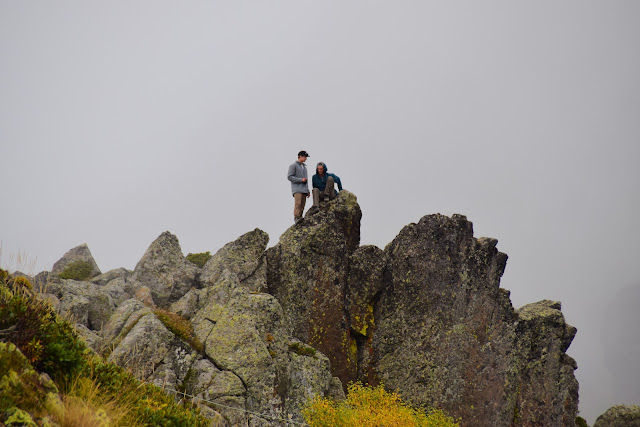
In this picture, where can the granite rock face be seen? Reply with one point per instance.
(247, 362)
(442, 329)
(79, 253)
(243, 257)
(118, 273)
(307, 272)
(165, 271)
(620, 416)
(244, 337)
(426, 316)
(87, 304)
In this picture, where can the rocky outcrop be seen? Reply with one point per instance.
(243, 334)
(79, 253)
(85, 303)
(272, 328)
(307, 272)
(426, 316)
(165, 271)
(248, 361)
(243, 257)
(620, 416)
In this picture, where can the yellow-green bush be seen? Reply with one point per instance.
(24, 282)
(367, 406)
(179, 326)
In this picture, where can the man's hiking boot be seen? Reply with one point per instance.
(297, 220)
(314, 210)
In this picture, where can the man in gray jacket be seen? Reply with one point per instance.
(299, 186)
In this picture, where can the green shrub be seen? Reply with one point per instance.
(367, 406)
(49, 343)
(77, 270)
(581, 422)
(199, 259)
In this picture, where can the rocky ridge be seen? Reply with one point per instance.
(273, 327)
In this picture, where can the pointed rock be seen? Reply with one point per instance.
(79, 253)
(242, 257)
(165, 270)
(307, 272)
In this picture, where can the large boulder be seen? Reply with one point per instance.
(244, 257)
(446, 335)
(87, 304)
(145, 346)
(546, 378)
(307, 272)
(79, 253)
(118, 273)
(620, 416)
(165, 271)
(243, 333)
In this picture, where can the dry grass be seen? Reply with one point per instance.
(86, 405)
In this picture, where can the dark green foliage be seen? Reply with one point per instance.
(302, 349)
(77, 270)
(581, 422)
(47, 341)
(199, 259)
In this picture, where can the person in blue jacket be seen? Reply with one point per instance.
(324, 186)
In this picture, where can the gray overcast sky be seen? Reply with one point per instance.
(119, 120)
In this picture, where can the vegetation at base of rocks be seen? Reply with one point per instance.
(87, 390)
(179, 326)
(367, 406)
(581, 422)
(77, 270)
(199, 259)
(50, 344)
(23, 282)
(302, 349)
(85, 404)
(149, 404)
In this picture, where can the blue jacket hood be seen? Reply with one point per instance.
(323, 164)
